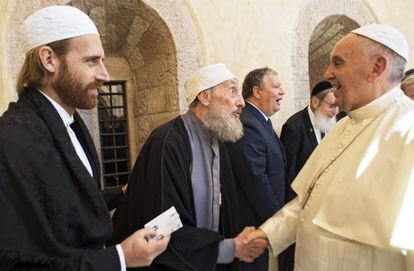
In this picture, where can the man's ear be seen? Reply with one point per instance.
(314, 102)
(256, 92)
(204, 97)
(48, 58)
(378, 68)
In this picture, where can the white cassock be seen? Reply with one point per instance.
(359, 216)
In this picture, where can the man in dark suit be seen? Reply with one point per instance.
(304, 130)
(300, 135)
(258, 159)
(57, 218)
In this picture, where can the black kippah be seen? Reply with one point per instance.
(321, 86)
(408, 74)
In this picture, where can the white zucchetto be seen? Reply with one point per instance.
(55, 23)
(205, 78)
(387, 36)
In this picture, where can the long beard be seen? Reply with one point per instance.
(225, 128)
(73, 92)
(323, 123)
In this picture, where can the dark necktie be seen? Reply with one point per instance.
(270, 128)
(269, 125)
(322, 135)
(272, 131)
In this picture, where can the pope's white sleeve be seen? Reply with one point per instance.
(281, 228)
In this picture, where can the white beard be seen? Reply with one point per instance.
(323, 123)
(225, 128)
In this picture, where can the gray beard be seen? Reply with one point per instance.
(225, 128)
(322, 123)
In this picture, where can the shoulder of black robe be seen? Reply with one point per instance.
(161, 178)
(54, 216)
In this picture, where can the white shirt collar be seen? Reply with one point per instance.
(316, 131)
(376, 106)
(266, 117)
(311, 116)
(64, 115)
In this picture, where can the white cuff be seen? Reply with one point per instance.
(121, 257)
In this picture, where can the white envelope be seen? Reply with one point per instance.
(165, 224)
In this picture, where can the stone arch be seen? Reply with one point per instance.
(326, 34)
(157, 38)
(312, 14)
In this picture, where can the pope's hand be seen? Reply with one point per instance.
(255, 235)
(248, 250)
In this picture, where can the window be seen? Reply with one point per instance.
(113, 128)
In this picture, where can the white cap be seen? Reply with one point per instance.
(205, 78)
(55, 23)
(387, 36)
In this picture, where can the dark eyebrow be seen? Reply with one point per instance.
(336, 58)
(89, 58)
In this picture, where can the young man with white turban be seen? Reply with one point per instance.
(54, 216)
(184, 164)
(355, 204)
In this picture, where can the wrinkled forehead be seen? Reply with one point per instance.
(234, 82)
(349, 45)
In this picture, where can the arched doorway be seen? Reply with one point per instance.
(310, 17)
(326, 34)
(157, 38)
(153, 45)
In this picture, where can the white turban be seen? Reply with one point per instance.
(55, 23)
(387, 36)
(205, 78)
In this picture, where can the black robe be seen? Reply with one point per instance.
(53, 214)
(161, 178)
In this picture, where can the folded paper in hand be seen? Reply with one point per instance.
(165, 224)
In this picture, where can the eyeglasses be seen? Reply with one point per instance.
(331, 105)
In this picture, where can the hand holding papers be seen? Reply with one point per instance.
(139, 252)
(164, 224)
(144, 245)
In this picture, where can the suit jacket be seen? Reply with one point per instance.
(56, 217)
(299, 140)
(258, 163)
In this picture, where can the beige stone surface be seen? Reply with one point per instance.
(6, 92)
(153, 45)
(163, 41)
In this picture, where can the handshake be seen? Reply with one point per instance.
(250, 244)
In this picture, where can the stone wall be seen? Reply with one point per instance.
(312, 14)
(135, 32)
(242, 34)
(326, 34)
(160, 51)
(6, 86)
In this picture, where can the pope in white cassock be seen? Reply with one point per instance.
(355, 205)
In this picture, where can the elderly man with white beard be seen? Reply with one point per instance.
(304, 130)
(185, 164)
